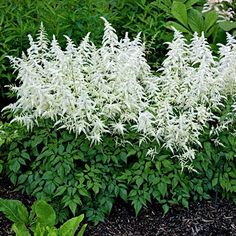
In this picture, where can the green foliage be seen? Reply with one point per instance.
(57, 166)
(186, 16)
(40, 221)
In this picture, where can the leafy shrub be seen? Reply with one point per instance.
(188, 17)
(95, 91)
(58, 167)
(40, 221)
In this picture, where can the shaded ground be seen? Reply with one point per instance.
(205, 218)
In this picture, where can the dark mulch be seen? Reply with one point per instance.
(202, 218)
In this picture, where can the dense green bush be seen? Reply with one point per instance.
(58, 167)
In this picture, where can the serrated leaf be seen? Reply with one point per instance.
(73, 207)
(84, 192)
(139, 181)
(123, 194)
(184, 202)
(162, 187)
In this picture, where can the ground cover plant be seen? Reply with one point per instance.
(116, 140)
(40, 221)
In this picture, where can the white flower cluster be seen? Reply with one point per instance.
(112, 90)
(83, 89)
(218, 6)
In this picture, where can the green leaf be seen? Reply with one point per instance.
(190, 3)
(81, 232)
(165, 208)
(60, 190)
(44, 212)
(175, 181)
(84, 192)
(131, 152)
(96, 189)
(137, 206)
(139, 181)
(195, 21)
(14, 210)
(69, 227)
(207, 147)
(185, 202)
(199, 189)
(210, 19)
(20, 229)
(162, 187)
(73, 207)
(123, 194)
(179, 11)
(227, 25)
(214, 182)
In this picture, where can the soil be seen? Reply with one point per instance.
(202, 218)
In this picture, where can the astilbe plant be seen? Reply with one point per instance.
(83, 89)
(189, 89)
(111, 89)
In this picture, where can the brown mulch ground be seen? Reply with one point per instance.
(202, 218)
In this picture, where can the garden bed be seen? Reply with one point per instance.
(202, 218)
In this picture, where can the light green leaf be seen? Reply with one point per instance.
(45, 213)
(165, 208)
(81, 232)
(137, 206)
(179, 11)
(20, 229)
(14, 210)
(69, 227)
(214, 182)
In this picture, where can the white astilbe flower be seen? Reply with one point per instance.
(111, 90)
(227, 65)
(83, 88)
(189, 88)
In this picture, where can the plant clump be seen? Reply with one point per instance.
(111, 89)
